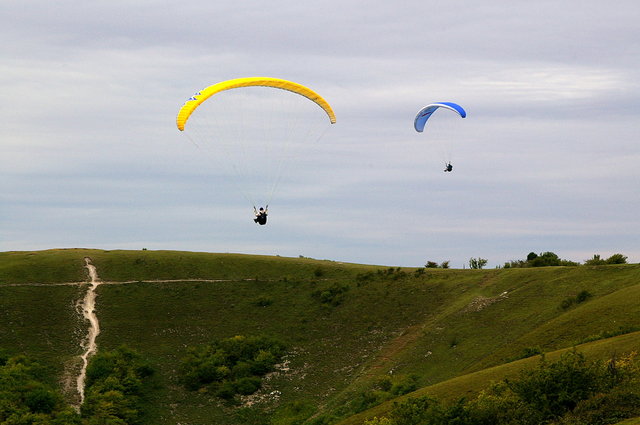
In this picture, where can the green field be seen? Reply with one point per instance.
(452, 332)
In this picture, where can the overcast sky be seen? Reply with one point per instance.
(548, 158)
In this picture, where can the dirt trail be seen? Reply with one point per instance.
(88, 306)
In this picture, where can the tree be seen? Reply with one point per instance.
(598, 261)
(477, 263)
(617, 259)
(595, 261)
(545, 259)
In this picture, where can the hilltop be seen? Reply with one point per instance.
(444, 332)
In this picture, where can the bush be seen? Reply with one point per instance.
(418, 272)
(405, 385)
(230, 366)
(617, 259)
(569, 391)
(556, 388)
(530, 352)
(115, 387)
(545, 259)
(26, 399)
(614, 259)
(477, 263)
(582, 296)
(383, 384)
(414, 411)
(332, 296)
(248, 385)
(434, 265)
(41, 400)
(605, 408)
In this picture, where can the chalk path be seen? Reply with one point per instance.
(88, 307)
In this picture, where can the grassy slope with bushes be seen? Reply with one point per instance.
(348, 326)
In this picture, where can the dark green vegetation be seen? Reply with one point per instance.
(231, 366)
(26, 398)
(358, 338)
(117, 382)
(550, 259)
(569, 391)
(114, 392)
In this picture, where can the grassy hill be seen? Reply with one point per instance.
(444, 332)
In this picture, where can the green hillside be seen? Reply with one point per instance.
(346, 326)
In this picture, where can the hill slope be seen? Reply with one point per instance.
(347, 325)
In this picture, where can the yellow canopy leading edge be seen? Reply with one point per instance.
(193, 102)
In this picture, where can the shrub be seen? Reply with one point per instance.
(582, 296)
(609, 334)
(567, 303)
(367, 399)
(569, 391)
(332, 296)
(379, 421)
(405, 385)
(477, 263)
(544, 260)
(115, 386)
(556, 388)
(248, 385)
(434, 265)
(605, 408)
(41, 400)
(362, 278)
(418, 272)
(414, 411)
(383, 384)
(617, 259)
(226, 390)
(614, 259)
(595, 261)
(230, 366)
(530, 352)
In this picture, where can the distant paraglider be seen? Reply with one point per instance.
(426, 113)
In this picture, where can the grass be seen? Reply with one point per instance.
(455, 329)
(42, 322)
(51, 266)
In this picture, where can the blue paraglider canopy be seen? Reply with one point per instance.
(425, 113)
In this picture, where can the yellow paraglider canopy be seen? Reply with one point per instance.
(193, 102)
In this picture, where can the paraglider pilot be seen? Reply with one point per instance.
(448, 167)
(261, 216)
